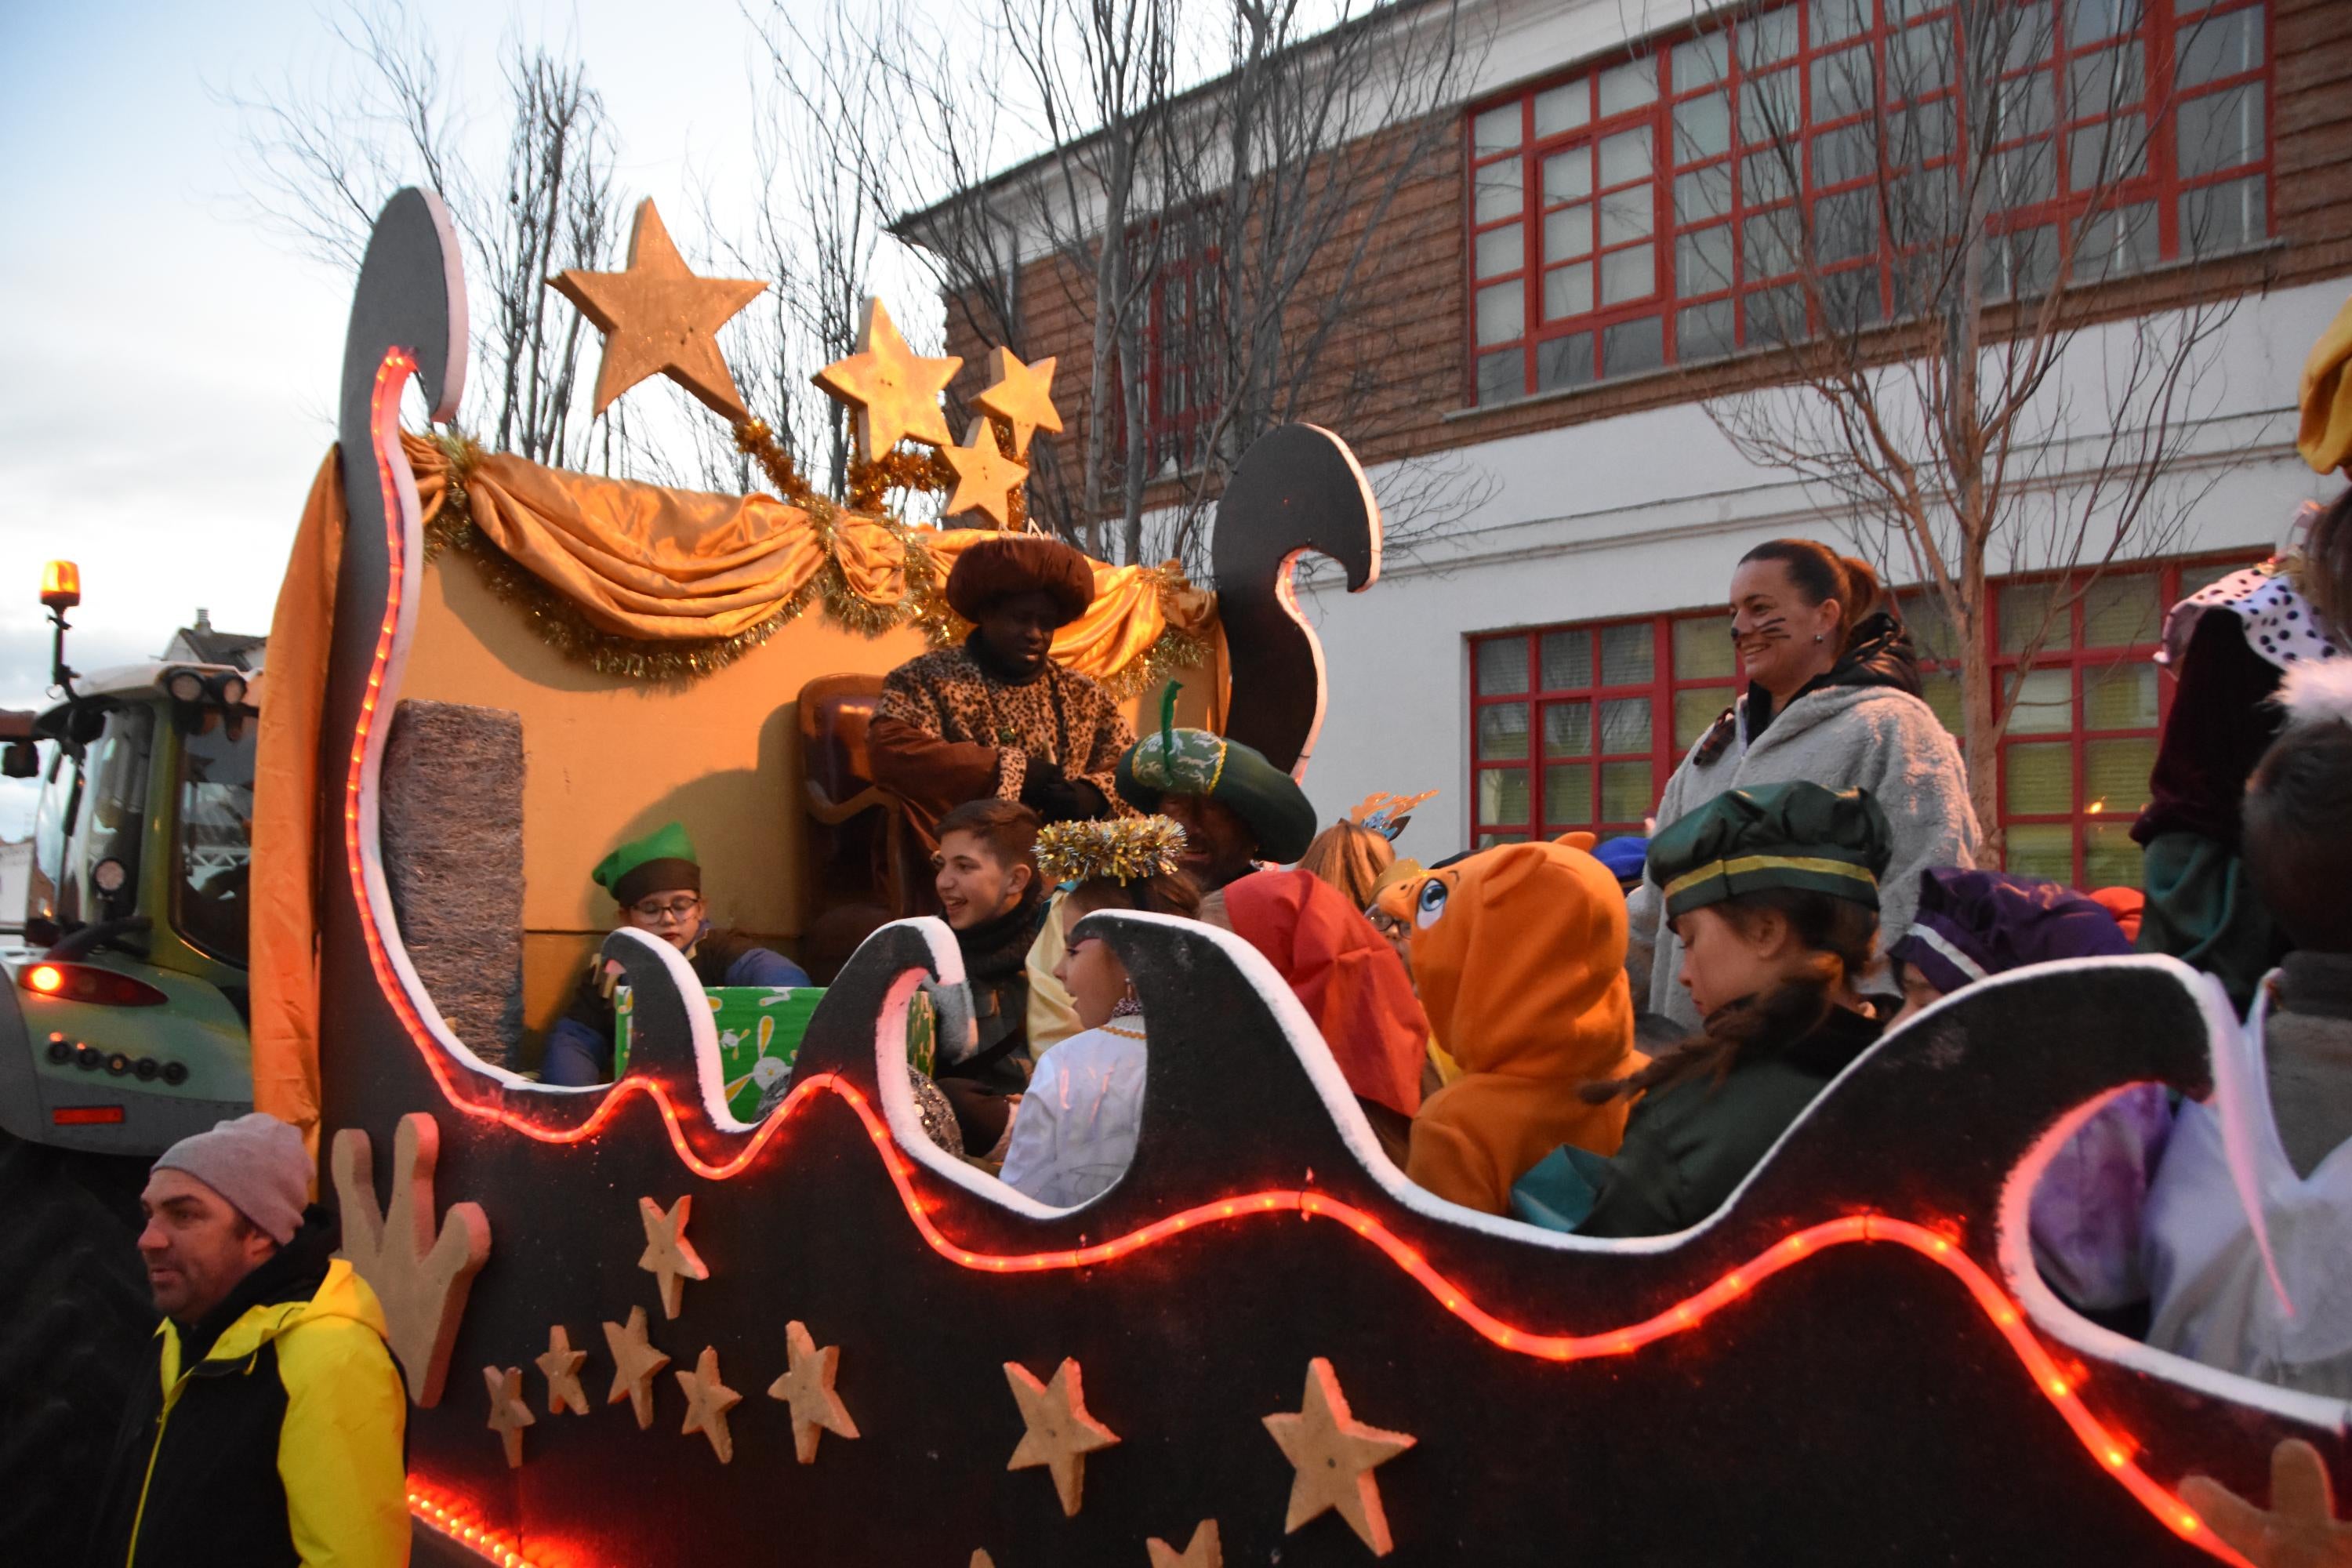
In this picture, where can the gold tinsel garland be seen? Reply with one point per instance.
(563, 626)
(1123, 849)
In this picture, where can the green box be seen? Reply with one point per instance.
(760, 1031)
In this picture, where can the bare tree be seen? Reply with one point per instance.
(1960, 370)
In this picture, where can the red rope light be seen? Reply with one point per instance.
(2111, 1450)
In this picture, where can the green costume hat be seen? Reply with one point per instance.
(1194, 761)
(663, 861)
(1776, 835)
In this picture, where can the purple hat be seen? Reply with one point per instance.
(1971, 924)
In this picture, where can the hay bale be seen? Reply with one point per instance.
(452, 844)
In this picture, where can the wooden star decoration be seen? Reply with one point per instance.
(2299, 1530)
(1334, 1456)
(1020, 394)
(419, 1277)
(985, 477)
(659, 319)
(1203, 1552)
(561, 1366)
(707, 1401)
(668, 1254)
(508, 1412)
(807, 1387)
(1060, 1433)
(892, 392)
(635, 1363)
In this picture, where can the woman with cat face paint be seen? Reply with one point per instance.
(1832, 696)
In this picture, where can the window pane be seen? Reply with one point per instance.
(1503, 732)
(1498, 191)
(1495, 131)
(2115, 774)
(1629, 86)
(2120, 697)
(1569, 232)
(1702, 62)
(1776, 317)
(1567, 660)
(2110, 859)
(1770, 241)
(2107, 80)
(1767, 40)
(1626, 791)
(1501, 375)
(1630, 348)
(2023, 607)
(1831, 20)
(1564, 362)
(1845, 225)
(2218, 46)
(1567, 730)
(1930, 625)
(1768, 110)
(1703, 194)
(1696, 709)
(2042, 849)
(1502, 312)
(2102, 155)
(1625, 156)
(1702, 128)
(1503, 794)
(1568, 796)
(1767, 177)
(1628, 274)
(1563, 108)
(2027, 37)
(1568, 176)
(1502, 667)
(2021, 264)
(1502, 249)
(2120, 609)
(1846, 154)
(2119, 241)
(1703, 260)
(2045, 704)
(1568, 292)
(2222, 218)
(1703, 331)
(2087, 21)
(2221, 131)
(2026, 174)
(1844, 83)
(2027, 106)
(2041, 779)
(1919, 59)
(1941, 689)
(1628, 214)
(1625, 725)
(1703, 647)
(1626, 654)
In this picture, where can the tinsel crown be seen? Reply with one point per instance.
(1123, 849)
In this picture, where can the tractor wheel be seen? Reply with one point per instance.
(73, 1332)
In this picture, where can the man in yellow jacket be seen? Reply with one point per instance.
(270, 1429)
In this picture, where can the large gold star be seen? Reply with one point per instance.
(985, 477)
(2299, 1530)
(561, 1366)
(892, 392)
(1203, 1552)
(668, 1254)
(509, 1414)
(807, 1387)
(659, 319)
(1334, 1456)
(634, 1364)
(707, 1401)
(1060, 1433)
(1020, 394)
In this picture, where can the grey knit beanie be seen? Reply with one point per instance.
(255, 1162)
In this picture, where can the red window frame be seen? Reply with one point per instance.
(1736, 297)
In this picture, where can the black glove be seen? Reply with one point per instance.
(1056, 798)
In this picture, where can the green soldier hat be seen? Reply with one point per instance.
(663, 861)
(1794, 834)
(1194, 761)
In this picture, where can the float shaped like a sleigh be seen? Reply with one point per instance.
(818, 1340)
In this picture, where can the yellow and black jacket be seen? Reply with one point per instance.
(270, 1433)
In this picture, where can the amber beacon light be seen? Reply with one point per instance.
(61, 586)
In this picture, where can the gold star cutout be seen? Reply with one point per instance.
(1334, 1456)
(707, 1401)
(892, 392)
(668, 1252)
(985, 477)
(420, 1276)
(982, 1559)
(561, 1366)
(635, 1365)
(659, 319)
(1061, 1434)
(509, 1414)
(2299, 1530)
(1204, 1552)
(1020, 394)
(807, 1386)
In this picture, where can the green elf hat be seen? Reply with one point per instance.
(1194, 761)
(663, 861)
(1794, 834)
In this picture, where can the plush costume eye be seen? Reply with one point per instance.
(1429, 904)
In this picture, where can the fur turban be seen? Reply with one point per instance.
(1021, 564)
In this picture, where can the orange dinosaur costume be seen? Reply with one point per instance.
(1518, 953)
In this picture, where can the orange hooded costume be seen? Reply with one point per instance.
(1518, 954)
